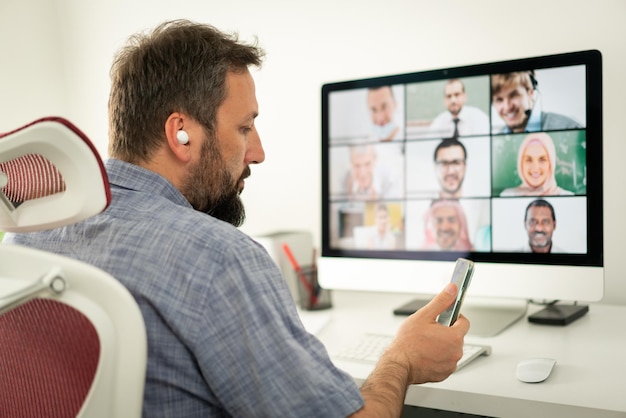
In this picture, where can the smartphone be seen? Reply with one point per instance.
(462, 275)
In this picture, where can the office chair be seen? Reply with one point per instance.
(72, 338)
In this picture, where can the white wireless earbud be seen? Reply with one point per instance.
(182, 137)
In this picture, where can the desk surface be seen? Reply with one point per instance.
(588, 379)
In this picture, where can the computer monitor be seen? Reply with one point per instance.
(500, 163)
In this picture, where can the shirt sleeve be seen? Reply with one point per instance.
(262, 362)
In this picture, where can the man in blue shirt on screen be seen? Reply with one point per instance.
(515, 99)
(224, 335)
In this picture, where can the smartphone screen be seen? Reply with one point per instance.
(461, 276)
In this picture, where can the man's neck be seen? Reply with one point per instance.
(447, 195)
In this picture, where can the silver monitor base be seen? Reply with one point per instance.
(489, 318)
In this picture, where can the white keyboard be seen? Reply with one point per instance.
(370, 347)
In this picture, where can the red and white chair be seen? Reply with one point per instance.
(72, 338)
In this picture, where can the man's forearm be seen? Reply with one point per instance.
(384, 390)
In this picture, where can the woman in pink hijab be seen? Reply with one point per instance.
(446, 227)
(536, 162)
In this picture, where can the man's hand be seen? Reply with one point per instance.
(431, 349)
(423, 351)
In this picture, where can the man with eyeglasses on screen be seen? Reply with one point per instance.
(450, 160)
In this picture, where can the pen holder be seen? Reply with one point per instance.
(311, 296)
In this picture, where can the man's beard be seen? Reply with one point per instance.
(543, 243)
(209, 187)
(454, 189)
(446, 236)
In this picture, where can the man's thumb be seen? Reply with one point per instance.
(442, 301)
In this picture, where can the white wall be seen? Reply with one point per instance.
(32, 78)
(308, 44)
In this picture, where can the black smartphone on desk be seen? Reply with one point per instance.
(462, 275)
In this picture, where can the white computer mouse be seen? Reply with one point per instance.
(534, 370)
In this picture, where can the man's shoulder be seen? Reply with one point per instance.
(442, 118)
(475, 112)
(551, 121)
(473, 109)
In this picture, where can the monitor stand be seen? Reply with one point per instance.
(410, 307)
(487, 317)
(558, 314)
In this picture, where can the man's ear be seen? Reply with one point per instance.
(177, 137)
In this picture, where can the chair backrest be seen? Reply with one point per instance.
(50, 175)
(26, 385)
(72, 338)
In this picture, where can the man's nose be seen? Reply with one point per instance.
(255, 153)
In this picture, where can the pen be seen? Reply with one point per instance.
(301, 276)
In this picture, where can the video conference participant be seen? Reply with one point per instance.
(382, 107)
(445, 226)
(536, 164)
(380, 235)
(224, 336)
(450, 164)
(540, 223)
(514, 97)
(459, 119)
(370, 177)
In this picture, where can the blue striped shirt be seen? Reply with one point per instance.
(224, 336)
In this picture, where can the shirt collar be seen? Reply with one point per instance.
(133, 177)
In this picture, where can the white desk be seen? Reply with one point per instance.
(587, 381)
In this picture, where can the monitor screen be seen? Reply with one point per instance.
(500, 163)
